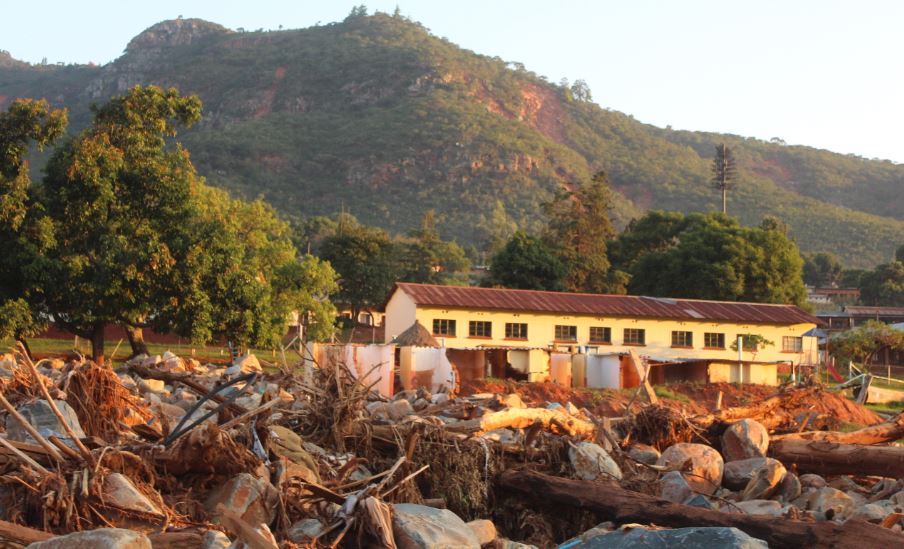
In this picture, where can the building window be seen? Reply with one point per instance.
(600, 334)
(515, 330)
(635, 336)
(713, 340)
(566, 333)
(480, 328)
(682, 339)
(443, 327)
(748, 342)
(791, 344)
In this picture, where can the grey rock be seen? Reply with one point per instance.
(700, 501)
(644, 453)
(102, 538)
(760, 507)
(422, 527)
(870, 512)
(810, 480)
(704, 473)
(305, 530)
(744, 439)
(674, 487)
(41, 417)
(686, 538)
(738, 473)
(215, 539)
(591, 462)
(830, 503)
(120, 491)
(789, 488)
(485, 530)
(765, 481)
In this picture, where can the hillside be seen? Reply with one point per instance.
(377, 116)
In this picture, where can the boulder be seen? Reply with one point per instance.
(305, 530)
(503, 436)
(485, 530)
(251, 498)
(502, 543)
(152, 385)
(644, 453)
(745, 439)
(422, 527)
(102, 538)
(700, 464)
(400, 408)
(737, 474)
(810, 480)
(41, 417)
(248, 363)
(830, 503)
(700, 501)
(674, 487)
(758, 507)
(591, 462)
(686, 538)
(789, 488)
(765, 481)
(120, 491)
(870, 512)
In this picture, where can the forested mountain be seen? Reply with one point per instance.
(377, 117)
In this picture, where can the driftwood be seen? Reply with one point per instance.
(522, 418)
(887, 431)
(16, 534)
(830, 458)
(624, 506)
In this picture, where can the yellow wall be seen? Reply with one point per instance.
(732, 372)
(401, 312)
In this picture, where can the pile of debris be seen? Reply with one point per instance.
(166, 452)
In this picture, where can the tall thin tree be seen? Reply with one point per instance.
(724, 172)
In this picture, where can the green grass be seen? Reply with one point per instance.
(886, 407)
(60, 347)
(664, 392)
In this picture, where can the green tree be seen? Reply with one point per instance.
(364, 259)
(883, 286)
(526, 263)
(119, 197)
(709, 256)
(899, 253)
(578, 229)
(424, 257)
(860, 344)
(723, 172)
(497, 229)
(822, 269)
(23, 236)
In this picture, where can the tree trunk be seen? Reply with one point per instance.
(624, 506)
(97, 343)
(887, 431)
(829, 458)
(136, 341)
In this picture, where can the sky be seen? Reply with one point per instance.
(823, 73)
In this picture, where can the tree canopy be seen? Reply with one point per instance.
(23, 236)
(822, 269)
(526, 263)
(884, 285)
(709, 256)
(861, 343)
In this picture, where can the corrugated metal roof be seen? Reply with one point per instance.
(874, 311)
(461, 297)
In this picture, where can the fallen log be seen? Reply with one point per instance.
(624, 506)
(765, 412)
(522, 418)
(887, 431)
(830, 458)
(17, 535)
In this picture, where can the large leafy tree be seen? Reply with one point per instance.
(364, 259)
(883, 286)
(23, 236)
(119, 197)
(526, 263)
(426, 258)
(863, 342)
(822, 269)
(709, 256)
(579, 227)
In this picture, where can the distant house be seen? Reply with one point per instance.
(852, 316)
(523, 330)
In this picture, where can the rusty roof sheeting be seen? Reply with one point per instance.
(461, 297)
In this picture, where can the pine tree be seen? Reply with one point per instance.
(724, 172)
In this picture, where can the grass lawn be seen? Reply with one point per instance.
(43, 347)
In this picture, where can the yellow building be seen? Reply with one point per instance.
(537, 323)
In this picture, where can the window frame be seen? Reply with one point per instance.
(682, 343)
(571, 336)
(521, 331)
(473, 331)
(642, 332)
(798, 347)
(448, 323)
(607, 335)
(720, 337)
